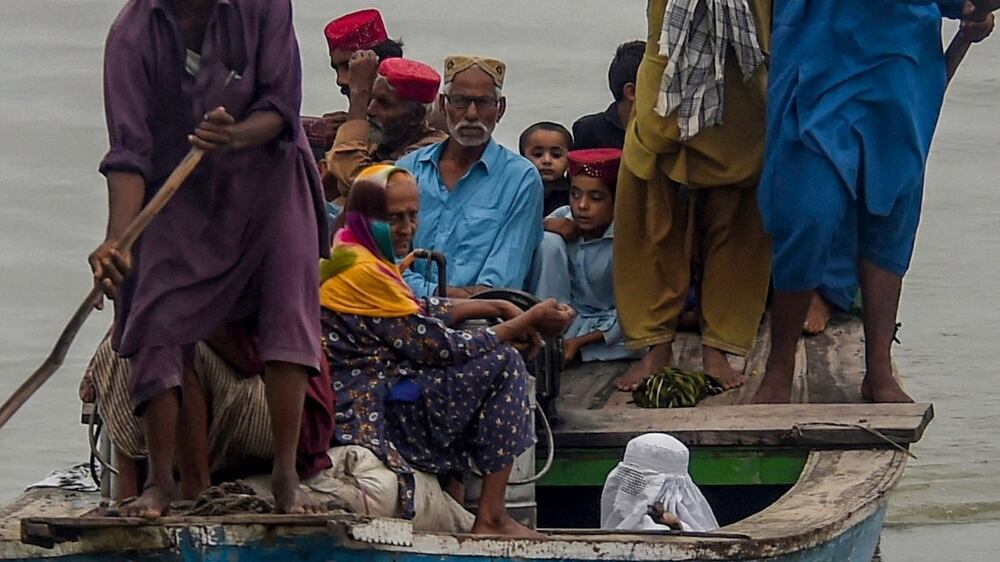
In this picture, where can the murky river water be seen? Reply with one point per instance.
(52, 212)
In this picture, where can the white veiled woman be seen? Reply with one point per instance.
(654, 471)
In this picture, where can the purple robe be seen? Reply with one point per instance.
(243, 235)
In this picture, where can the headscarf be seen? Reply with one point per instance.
(654, 470)
(361, 277)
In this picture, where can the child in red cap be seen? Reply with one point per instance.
(574, 262)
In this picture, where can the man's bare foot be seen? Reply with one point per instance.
(773, 392)
(661, 355)
(717, 366)
(153, 503)
(290, 498)
(503, 525)
(883, 390)
(776, 386)
(818, 316)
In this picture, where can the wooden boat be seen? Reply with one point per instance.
(808, 481)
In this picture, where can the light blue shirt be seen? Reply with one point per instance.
(488, 225)
(580, 273)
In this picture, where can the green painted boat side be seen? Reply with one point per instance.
(710, 466)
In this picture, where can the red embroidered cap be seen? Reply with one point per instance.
(359, 30)
(600, 163)
(412, 80)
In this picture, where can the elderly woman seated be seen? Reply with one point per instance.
(411, 388)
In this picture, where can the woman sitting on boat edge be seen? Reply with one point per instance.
(410, 388)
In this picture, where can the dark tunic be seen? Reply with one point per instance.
(421, 395)
(243, 235)
(599, 130)
(556, 195)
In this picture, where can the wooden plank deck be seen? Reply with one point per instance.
(826, 388)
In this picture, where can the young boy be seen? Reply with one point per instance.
(573, 263)
(546, 145)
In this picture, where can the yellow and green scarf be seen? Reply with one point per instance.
(361, 277)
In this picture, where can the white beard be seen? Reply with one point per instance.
(462, 136)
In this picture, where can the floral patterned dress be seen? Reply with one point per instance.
(421, 395)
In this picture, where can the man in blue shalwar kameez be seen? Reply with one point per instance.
(855, 91)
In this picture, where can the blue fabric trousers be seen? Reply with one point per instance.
(819, 229)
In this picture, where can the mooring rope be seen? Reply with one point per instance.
(796, 431)
(229, 498)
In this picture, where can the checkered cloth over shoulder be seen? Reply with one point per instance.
(695, 39)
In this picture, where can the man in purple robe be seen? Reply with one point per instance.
(239, 241)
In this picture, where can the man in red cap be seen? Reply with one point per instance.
(363, 30)
(387, 118)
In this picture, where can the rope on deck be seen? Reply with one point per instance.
(229, 498)
(796, 431)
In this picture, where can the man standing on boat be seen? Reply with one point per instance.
(387, 118)
(688, 171)
(480, 203)
(845, 74)
(240, 240)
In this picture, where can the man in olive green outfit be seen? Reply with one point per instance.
(687, 192)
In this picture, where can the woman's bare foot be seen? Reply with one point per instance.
(290, 498)
(883, 390)
(717, 366)
(503, 525)
(818, 316)
(661, 355)
(153, 503)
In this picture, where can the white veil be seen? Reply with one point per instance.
(654, 470)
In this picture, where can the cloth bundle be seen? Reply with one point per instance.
(671, 387)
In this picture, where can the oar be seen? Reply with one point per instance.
(960, 44)
(123, 244)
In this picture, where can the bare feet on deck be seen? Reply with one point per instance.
(776, 386)
(717, 366)
(773, 393)
(883, 390)
(290, 498)
(153, 503)
(503, 525)
(659, 356)
(818, 317)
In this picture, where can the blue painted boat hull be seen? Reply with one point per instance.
(855, 544)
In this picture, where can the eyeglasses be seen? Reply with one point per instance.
(459, 101)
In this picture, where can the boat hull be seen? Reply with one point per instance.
(192, 544)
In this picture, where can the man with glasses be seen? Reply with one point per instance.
(480, 202)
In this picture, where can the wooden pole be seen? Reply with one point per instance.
(123, 244)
